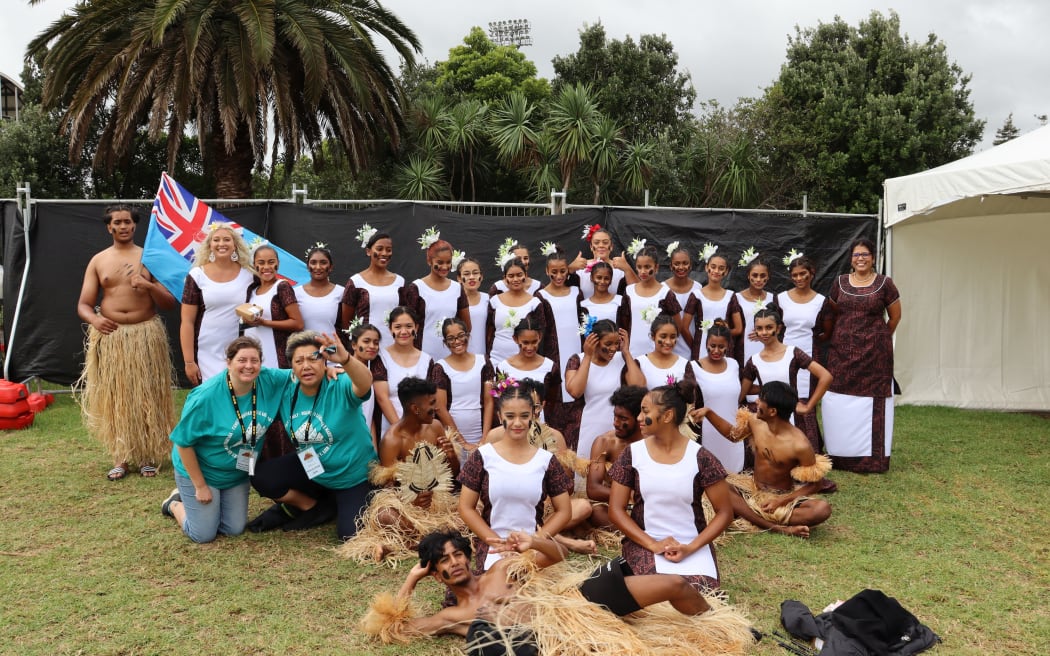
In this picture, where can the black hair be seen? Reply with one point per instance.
(806, 263)
(603, 327)
(677, 397)
(557, 256)
(601, 264)
(729, 265)
(107, 214)
(361, 329)
(866, 243)
(528, 323)
(515, 261)
(320, 249)
(681, 249)
(520, 391)
(758, 261)
(398, 311)
(376, 237)
(779, 396)
(453, 321)
(629, 397)
(432, 546)
(651, 252)
(533, 386)
(771, 312)
(467, 258)
(720, 328)
(661, 320)
(411, 388)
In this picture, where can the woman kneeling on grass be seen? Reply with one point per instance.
(217, 440)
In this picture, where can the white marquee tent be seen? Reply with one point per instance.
(968, 245)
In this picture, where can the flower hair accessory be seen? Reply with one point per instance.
(457, 259)
(316, 246)
(427, 239)
(256, 244)
(437, 326)
(548, 248)
(650, 313)
(706, 324)
(512, 319)
(502, 383)
(587, 322)
(635, 247)
(225, 225)
(747, 257)
(364, 233)
(505, 253)
(671, 380)
(791, 257)
(589, 230)
(708, 252)
(672, 247)
(353, 325)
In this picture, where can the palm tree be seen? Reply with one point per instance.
(465, 129)
(231, 70)
(604, 154)
(422, 178)
(571, 122)
(637, 168)
(513, 131)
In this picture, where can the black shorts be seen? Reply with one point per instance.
(606, 587)
(484, 639)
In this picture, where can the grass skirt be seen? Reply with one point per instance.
(125, 391)
(744, 483)
(400, 540)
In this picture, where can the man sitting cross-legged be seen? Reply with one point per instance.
(627, 405)
(776, 496)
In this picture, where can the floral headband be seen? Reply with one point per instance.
(429, 236)
(256, 244)
(635, 247)
(364, 234)
(358, 321)
(748, 256)
(457, 259)
(589, 230)
(505, 253)
(708, 252)
(502, 383)
(548, 248)
(791, 257)
(672, 247)
(317, 246)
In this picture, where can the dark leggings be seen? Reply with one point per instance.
(275, 477)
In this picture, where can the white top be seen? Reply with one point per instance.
(514, 492)
(603, 310)
(778, 370)
(641, 307)
(395, 373)
(381, 298)
(800, 320)
(566, 329)
(712, 310)
(668, 494)
(587, 287)
(440, 305)
(748, 309)
(320, 313)
(680, 347)
(505, 318)
(721, 394)
(479, 313)
(537, 374)
(465, 407)
(219, 323)
(597, 417)
(656, 377)
(264, 333)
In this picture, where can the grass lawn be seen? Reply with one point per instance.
(958, 531)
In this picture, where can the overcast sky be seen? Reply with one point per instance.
(731, 49)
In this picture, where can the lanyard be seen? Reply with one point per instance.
(295, 400)
(237, 409)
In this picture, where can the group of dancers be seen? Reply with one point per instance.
(607, 398)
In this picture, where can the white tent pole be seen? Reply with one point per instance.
(24, 194)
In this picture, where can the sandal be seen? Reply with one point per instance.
(118, 472)
(165, 508)
(148, 471)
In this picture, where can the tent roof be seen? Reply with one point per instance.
(1020, 166)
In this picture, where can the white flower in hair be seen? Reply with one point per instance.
(650, 313)
(791, 257)
(364, 233)
(386, 318)
(256, 244)
(457, 259)
(349, 330)
(708, 252)
(586, 232)
(672, 247)
(747, 256)
(635, 247)
(548, 248)
(761, 303)
(427, 239)
(587, 322)
(512, 319)
(233, 227)
(706, 324)
(437, 327)
(316, 245)
(505, 253)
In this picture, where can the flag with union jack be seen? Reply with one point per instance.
(179, 223)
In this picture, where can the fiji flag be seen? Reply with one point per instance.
(179, 223)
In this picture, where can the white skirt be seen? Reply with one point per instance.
(848, 425)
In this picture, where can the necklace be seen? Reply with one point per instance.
(863, 281)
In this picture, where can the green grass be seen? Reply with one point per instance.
(957, 531)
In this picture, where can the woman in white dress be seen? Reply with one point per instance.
(751, 300)
(563, 332)
(602, 303)
(685, 291)
(319, 298)
(647, 298)
(508, 309)
(364, 345)
(520, 251)
(469, 274)
(435, 298)
(713, 302)
(718, 376)
(807, 316)
(397, 362)
(464, 382)
(600, 242)
(528, 363)
(662, 366)
(280, 308)
(371, 294)
(605, 364)
(215, 286)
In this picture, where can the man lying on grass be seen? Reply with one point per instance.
(776, 496)
(502, 610)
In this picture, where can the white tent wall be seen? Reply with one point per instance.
(975, 290)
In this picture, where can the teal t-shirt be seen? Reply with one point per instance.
(337, 431)
(209, 425)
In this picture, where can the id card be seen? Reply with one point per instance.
(311, 463)
(246, 461)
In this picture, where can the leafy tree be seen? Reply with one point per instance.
(1007, 132)
(638, 85)
(33, 151)
(855, 105)
(481, 70)
(231, 71)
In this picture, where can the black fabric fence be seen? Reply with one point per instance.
(48, 339)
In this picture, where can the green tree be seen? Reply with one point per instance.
(855, 105)
(572, 123)
(33, 151)
(481, 70)
(230, 71)
(1007, 132)
(638, 85)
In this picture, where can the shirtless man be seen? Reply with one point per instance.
(125, 389)
(627, 405)
(446, 557)
(786, 472)
(418, 422)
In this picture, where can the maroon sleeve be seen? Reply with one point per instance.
(836, 288)
(462, 303)
(574, 362)
(670, 304)
(350, 292)
(623, 471)
(379, 372)
(411, 299)
(285, 294)
(191, 293)
(750, 372)
(693, 307)
(549, 346)
(826, 312)
(711, 471)
(737, 352)
(890, 294)
(623, 314)
(472, 473)
(556, 480)
(490, 326)
(437, 375)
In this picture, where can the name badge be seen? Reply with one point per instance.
(311, 463)
(246, 461)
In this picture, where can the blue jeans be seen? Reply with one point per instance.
(227, 513)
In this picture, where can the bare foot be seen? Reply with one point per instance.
(576, 545)
(797, 531)
(381, 552)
